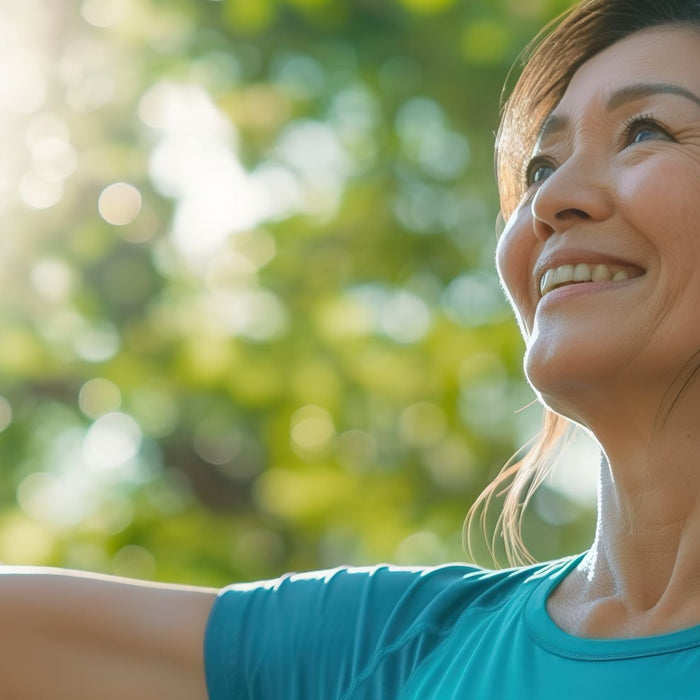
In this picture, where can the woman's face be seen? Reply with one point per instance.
(601, 260)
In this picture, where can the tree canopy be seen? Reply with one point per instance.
(249, 319)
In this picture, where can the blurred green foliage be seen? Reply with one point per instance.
(249, 320)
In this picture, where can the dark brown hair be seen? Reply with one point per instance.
(550, 62)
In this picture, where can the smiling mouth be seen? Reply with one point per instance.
(576, 274)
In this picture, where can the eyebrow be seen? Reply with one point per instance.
(554, 124)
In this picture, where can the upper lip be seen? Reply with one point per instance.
(572, 256)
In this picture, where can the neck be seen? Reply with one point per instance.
(645, 560)
(645, 547)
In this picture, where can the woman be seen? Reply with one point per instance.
(599, 169)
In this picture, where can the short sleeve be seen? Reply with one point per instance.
(342, 633)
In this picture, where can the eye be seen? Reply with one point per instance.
(537, 171)
(643, 127)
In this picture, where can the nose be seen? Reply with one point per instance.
(577, 191)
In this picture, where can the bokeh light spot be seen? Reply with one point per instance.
(216, 440)
(485, 42)
(257, 314)
(23, 541)
(114, 515)
(155, 410)
(405, 317)
(86, 556)
(48, 498)
(103, 13)
(39, 193)
(312, 430)
(474, 299)
(112, 440)
(99, 396)
(301, 77)
(53, 159)
(119, 204)
(230, 269)
(97, 343)
(87, 68)
(250, 16)
(53, 279)
(451, 464)
(422, 423)
(134, 561)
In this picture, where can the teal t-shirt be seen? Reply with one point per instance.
(453, 631)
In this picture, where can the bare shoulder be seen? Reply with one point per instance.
(72, 635)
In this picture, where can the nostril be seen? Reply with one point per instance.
(579, 213)
(542, 229)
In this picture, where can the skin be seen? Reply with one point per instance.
(611, 357)
(68, 635)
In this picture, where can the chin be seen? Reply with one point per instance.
(568, 371)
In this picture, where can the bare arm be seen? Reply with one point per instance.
(71, 635)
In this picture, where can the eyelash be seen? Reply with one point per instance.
(639, 120)
(629, 127)
(532, 166)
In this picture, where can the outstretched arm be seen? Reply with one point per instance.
(68, 635)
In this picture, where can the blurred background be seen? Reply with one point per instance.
(249, 320)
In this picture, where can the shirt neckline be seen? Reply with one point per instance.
(549, 636)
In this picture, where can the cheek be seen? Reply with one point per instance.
(660, 198)
(514, 255)
(662, 205)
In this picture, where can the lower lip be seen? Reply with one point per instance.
(581, 289)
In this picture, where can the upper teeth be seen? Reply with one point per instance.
(567, 274)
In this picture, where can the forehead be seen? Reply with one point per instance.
(668, 55)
